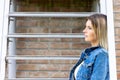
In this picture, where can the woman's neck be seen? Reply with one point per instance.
(94, 44)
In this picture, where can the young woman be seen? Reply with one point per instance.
(93, 63)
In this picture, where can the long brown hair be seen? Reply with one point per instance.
(99, 22)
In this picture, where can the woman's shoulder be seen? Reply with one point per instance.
(99, 54)
(94, 51)
(100, 51)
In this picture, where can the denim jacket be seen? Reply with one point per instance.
(95, 66)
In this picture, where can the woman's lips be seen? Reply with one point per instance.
(85, 35)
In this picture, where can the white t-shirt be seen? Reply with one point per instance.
(76, 70)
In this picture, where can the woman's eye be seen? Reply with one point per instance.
(89, 27)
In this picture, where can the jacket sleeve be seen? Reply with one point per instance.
(100, 67)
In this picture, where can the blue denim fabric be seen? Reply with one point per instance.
(95, 66)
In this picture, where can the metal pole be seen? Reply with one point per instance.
(12, 46)
(50, 14)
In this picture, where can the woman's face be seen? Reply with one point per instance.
(89, 33)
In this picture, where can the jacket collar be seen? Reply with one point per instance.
(87, 51)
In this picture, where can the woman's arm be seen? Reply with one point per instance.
(100, 68)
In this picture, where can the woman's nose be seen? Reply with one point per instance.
(84, 30)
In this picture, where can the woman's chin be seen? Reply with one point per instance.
(87, 40)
